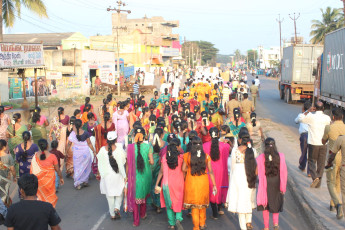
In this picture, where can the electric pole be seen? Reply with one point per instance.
(280, 34)
(294, 21)
(118, 10)
(343, 9)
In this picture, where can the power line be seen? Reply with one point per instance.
(34, 24)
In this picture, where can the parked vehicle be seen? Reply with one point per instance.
(298, 70)
(330, 82)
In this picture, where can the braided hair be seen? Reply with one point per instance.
(71, 122)
(152, 120)
(177, 126)
(140, 159)
(214, 151)
(15, 118)
(184, 127)
(191, 136)
(156, 147)
(87, 101)
(112, 160)
(2, 110)
(249, 158)
(191, 116)
(272, 158)
(198, 158)
(26, 137)
(237, 115)
(78, 123)
(36, 115)
(87, 108)
(104, 107)
(106, 118)
(173, 153)
(152, 107)
(43, 145)
(60, 112)
(204, 116)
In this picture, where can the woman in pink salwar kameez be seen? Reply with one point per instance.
(121, 122)
(172, 185)
(219, 153)
(272, 172)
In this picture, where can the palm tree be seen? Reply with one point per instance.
(11, 9)
(332, 19)
(237, 55)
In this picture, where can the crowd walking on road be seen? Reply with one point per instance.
(195, 145)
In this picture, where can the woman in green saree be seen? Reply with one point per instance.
(38, 125)
(15, 131)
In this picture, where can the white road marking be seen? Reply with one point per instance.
(99, 222)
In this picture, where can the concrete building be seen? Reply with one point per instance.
(268, 58)
(150, 34)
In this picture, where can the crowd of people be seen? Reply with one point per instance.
(184, 151)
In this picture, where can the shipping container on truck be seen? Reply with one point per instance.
(331, 87)
(298, 68)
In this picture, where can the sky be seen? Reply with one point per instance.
(229, 24)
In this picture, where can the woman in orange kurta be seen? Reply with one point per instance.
(44, 165)
(196, 195)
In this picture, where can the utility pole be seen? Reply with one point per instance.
(294, 19)
(192, 56)
(118, 10)
(280, 34)
(343, 9)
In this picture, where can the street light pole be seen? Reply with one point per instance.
(280, 34)
(294, 19)
(118, 10)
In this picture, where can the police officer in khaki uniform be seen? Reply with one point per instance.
(255, 92)
(247, 108)
(233, 103)
(331, 133)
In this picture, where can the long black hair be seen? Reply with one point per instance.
(106, 118)
(140, 159)
(272, 158)
(184, 129)
(87, 101)
(71, 122)
(112, 160)
(173, 153)
(237, 115)
(60, 112)
(191, 136)
(104, 107)
(192, 118)
(177, 126)
(198, 158)
(253, 119)
(15, 118)
(43, 145)
(78, 123)
(204, 115)
(249, 159)
(156, 147)
(2, 110)
(152, 120)
(36, 116)
(26, 137)
(214, 151)
(152, 107)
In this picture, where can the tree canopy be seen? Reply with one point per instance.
(332, 19)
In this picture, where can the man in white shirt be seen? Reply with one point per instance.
(163, 86)
(316, 150)
(303, 132)
(177, 82)
(257, 81)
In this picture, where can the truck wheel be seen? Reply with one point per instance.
(281, 94)
(288, 96)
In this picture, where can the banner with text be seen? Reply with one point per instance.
(13, 55)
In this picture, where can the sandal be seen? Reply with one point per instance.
(214, 218)
(78, 187)
(159, 210)
(179, 225)
(117, 214)
(113, 217)
(203, 227)
(171, 227)
(85, 184)
(249, 226)
(221, 212)
(276, 227)
(144, 217)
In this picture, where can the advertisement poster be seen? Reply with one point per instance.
(13, 55)
(45, 87)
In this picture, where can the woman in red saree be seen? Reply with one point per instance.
(44, 165)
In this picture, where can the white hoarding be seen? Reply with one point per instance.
(13, 55)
